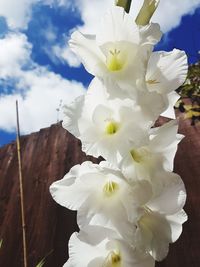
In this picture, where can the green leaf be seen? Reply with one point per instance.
(1, 243)
(41, 263)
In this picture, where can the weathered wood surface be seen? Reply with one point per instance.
(186, 251)
(47, 156)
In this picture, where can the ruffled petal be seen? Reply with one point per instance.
(166, 71)
(119, 27)
(154, 235)
(68, 264)
(69, 191)
(163, 136)
(72, 113)
(176, 222)
(85, 47)
(164, 141)
(152, 105)
(81, 252)
(150, 34)
(171, 100)
(172, 197)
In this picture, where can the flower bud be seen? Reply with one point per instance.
(126, 4)
(146, 12)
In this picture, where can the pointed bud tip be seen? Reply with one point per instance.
(146, 12)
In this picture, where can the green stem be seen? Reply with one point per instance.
(126, 4)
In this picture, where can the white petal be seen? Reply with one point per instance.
(152, 105)
(82, 253)
(154, 235)
(85, 47)
(163, 136)
(150, 34)
(72, 113)
(100, 115)
(68, 264)
(164, 141)
(70, 193)
(142, 191)
(171, 99)
(176, 222)
(173, 196)
(132, 257)
(119, 27)
(166, 71)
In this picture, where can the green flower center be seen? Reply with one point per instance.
(145, 220)
(139, 155)
(113, 259)
(114, 60)
(110, 188)
(111, 128)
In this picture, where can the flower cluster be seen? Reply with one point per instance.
(130, 206)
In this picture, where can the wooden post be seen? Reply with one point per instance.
(21, 189)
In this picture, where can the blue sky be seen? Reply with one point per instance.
(37, 67)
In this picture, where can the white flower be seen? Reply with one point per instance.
(148, 158)
(160, 220)
(166, 71)
(106, 127)
(119, 51)
(100, 247)
(101, 195)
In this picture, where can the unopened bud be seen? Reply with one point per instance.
(146, 12)
(126, 4)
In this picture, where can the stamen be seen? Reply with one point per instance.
(139, 155)
(114, 62)
(151, 82)
(110, 188)
(111, 128)
(113, 259)
(145, 220)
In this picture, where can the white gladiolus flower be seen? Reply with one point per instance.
(106, 127)
(101, 196)
(160, 221)
(100, 247)
(148, 158)
(119, 51)
(166, 71)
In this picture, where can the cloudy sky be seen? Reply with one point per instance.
(37, 67)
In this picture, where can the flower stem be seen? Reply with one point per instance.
(126, 4)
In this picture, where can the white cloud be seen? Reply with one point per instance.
(38, 90)
(65, 55)
(17, 13)
(14, 53)
(168, 15)
(170, 12)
